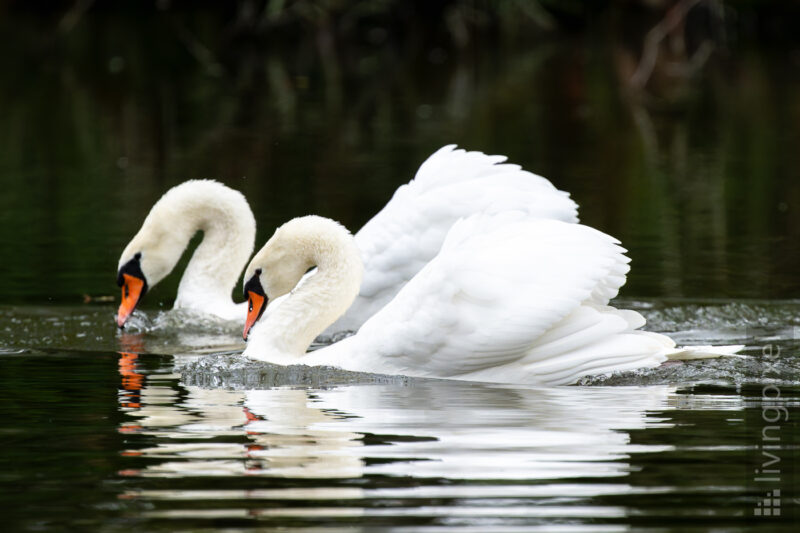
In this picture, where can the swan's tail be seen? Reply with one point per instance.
(687, 353)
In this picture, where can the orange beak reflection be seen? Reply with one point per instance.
(131, 292)
(256, 304)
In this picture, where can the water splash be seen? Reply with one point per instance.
(182, 320)
(756, 368)
(234, 371)
(718, 323)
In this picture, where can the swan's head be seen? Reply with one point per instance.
(134, 285)
(274, 271)
(149, 257)
(296, 247)
(142, 265)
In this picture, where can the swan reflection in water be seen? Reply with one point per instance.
(390, 450)
(423, 429)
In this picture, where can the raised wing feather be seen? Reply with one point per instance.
(409, 231)
(450, 164)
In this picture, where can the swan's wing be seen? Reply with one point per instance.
(450, 164)
(409, 231)
(509, 299)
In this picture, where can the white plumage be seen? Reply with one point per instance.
(508, 298)
(409, 231)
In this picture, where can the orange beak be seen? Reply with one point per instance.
(256, 304)
(131, 292)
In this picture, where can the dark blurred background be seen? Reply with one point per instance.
(674, 124)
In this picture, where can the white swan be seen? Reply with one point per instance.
(507, 299)
(229, 233)
(394, 245)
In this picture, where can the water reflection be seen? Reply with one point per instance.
(132, 381)
(485, 441)
(453, 453)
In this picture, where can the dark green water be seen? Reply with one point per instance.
(103, 431)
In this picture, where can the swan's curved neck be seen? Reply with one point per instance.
(318, 299)
(215, 267)
(228, 227)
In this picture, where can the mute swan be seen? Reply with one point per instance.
(395, 244)
(229, 234)
(507, 299)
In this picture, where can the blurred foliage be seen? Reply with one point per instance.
(328, 106)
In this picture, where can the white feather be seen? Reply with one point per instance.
(409, 231)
